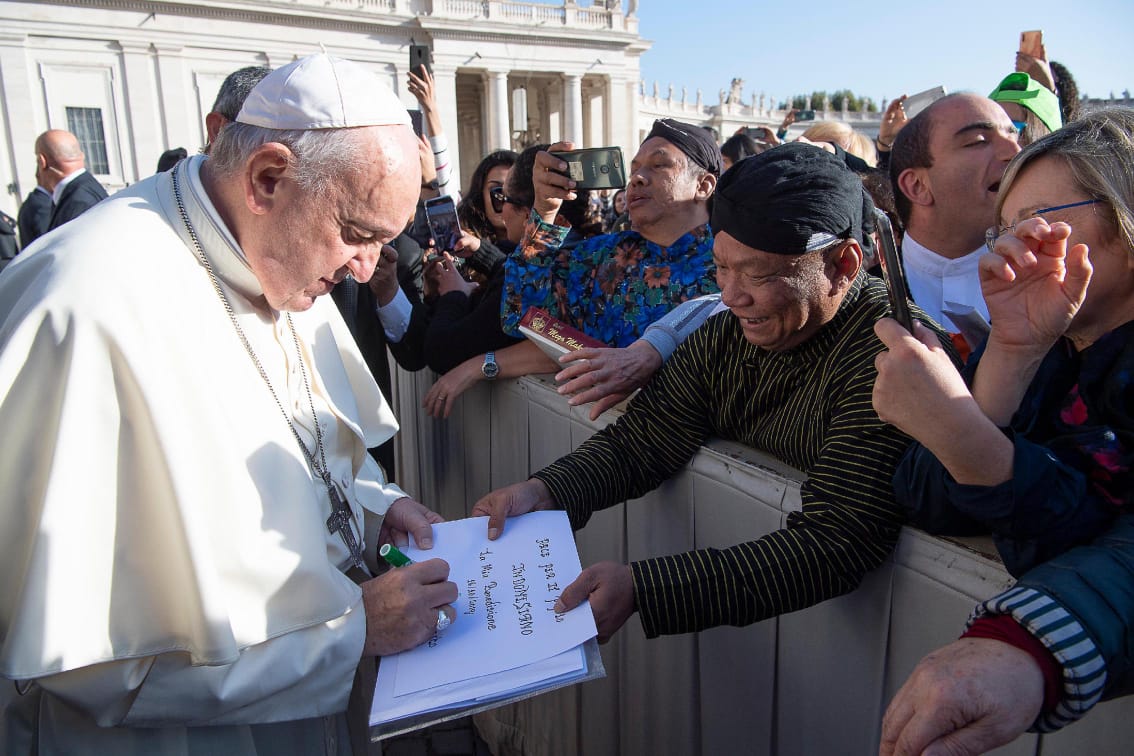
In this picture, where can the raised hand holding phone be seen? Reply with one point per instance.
(441, 214)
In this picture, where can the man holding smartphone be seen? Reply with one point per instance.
(613, 286)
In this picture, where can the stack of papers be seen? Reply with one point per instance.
(507, 642)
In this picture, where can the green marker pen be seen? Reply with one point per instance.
(393, 556)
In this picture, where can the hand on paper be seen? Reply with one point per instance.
(516, 499)
(606, 376)
(966, 698)
(406, 516)
(401, 606)
(610, 588)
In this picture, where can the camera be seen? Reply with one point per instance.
(595, 167)
(805, 115)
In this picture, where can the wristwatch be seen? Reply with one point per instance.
(490, 368)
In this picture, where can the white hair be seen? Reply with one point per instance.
(320, 157)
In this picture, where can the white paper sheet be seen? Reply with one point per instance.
(506, 637)
(388, 707)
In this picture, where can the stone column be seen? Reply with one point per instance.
(573, 108)
(23, 120)
(621, 113)
(445, 91)
(184, 126)
(146, 136)
(594, 112)
(499, 125)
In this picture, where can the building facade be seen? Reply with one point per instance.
(133, 78)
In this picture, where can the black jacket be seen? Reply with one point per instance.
(79, 196)
(34, 216)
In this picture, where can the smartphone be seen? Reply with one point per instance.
(760, 133)
(805, 115)
(1031, 43)
(420, 55)
(595, 167)
(916, 103)
(896, 287)
(415, 120)
(441, 214)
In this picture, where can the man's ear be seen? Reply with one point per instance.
(706, 185)
(914, 184)
(214, 122)
(843, 265)
(262, 174)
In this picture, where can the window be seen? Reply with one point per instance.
(86, 125)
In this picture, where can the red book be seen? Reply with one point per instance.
(553, 336)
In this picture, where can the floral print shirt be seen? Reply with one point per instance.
(610, 287)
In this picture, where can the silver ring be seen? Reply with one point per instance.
(443, 621)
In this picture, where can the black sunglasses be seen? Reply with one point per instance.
(498, 197)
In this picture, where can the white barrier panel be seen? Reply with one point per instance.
(811, 682)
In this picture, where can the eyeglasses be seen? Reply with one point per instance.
(994, 233)
(497, 196)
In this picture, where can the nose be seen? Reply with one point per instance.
(732, 294)
(1007, 147)
(636, 177)
(362, 265)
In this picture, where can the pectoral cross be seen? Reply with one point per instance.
(341, 521)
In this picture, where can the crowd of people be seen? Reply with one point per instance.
(199, 461)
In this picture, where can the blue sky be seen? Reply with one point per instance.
(878, 49)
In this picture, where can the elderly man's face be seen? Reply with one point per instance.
(781, 301)
(313, 242)
(660, 183)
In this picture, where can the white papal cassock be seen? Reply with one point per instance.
(165, 560)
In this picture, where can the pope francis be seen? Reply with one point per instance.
(188, 516)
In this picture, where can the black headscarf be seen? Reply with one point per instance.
(790, 200)
(697, 143)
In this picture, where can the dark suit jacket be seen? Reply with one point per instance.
(8, 246)
(78, 197)
(34, 216)
(357, 305)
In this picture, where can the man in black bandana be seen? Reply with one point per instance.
(789, 372)
(614, 285)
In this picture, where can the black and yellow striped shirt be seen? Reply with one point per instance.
(810, 407)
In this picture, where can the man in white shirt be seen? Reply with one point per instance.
(946, 166)
(189, 521)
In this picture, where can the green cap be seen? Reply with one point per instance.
(1029, 93)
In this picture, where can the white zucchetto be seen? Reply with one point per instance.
(322, 92)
